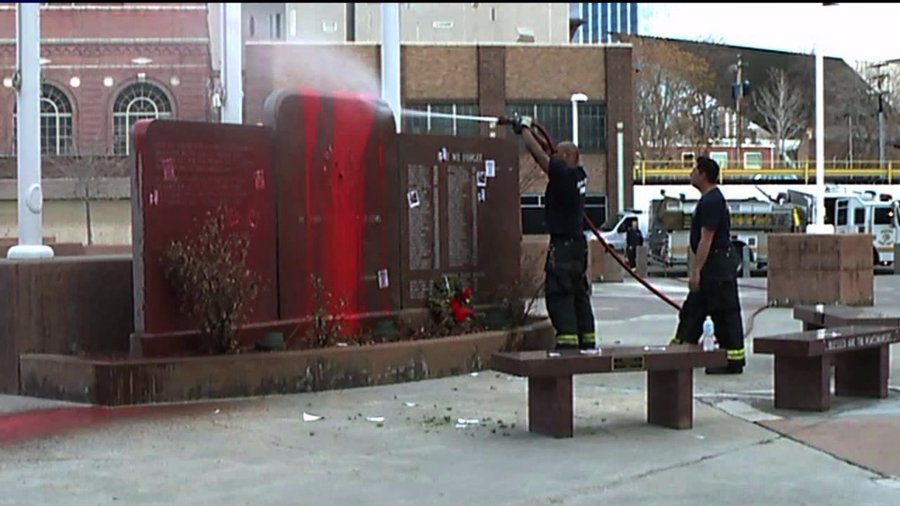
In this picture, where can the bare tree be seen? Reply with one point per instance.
(673, 105)
(782, 107)
(84, 169)
(858, 107)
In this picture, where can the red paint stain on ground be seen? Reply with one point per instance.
(35, 424)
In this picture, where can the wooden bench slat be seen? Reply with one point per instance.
(812, 343)
(610, 359)
(842, 316)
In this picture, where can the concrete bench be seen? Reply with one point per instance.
(670, 381)
(822, 316)
(861, 356)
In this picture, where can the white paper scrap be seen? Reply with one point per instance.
(375, 419)
(310, 418)
(490, 168)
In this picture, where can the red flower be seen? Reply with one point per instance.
(460, 312)
(466, 294)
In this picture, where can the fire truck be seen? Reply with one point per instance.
(668, 225)
(854, 212)
(752, 220)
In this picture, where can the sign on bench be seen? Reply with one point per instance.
(670, 385)
(861, 356)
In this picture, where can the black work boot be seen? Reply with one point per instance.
(587, 341)
(731, 368)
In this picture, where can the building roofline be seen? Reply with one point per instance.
(723, 44)
(432, 44)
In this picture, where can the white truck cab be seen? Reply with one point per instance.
(615, 230)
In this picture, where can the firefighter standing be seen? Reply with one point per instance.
(713, 273)
(566, 288)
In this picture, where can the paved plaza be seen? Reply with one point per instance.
(464, 440)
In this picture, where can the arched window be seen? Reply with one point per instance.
(56, 122)
(136, 102)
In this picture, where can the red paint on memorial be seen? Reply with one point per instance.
(184, 170)
(337, 202)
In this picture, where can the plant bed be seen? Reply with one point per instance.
(300, 334)
(185, 378)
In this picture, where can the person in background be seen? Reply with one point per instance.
(633, 240)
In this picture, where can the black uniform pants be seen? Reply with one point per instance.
(717, 298)
(568, 293)
(632, 256)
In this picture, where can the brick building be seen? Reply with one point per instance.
(107, 65)
(104, 67)
(537, 80)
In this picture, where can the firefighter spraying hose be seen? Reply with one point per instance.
(549, 147)
(713, 296)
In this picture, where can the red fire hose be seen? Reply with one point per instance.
(551, 149)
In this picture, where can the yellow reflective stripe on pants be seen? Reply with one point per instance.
(567, 339)
(588, 337)
(735, 354)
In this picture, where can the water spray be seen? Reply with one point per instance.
(464, 117)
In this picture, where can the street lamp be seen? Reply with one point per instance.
(576, 97)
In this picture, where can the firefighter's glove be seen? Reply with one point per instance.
(520, 123)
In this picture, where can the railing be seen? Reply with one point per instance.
(672, 171)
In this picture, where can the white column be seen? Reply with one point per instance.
(575, 99)
(820, 137)
(390, 58)
(620, 164)
(575, 123)
(28, 144)
(819, 226)
(231, 68)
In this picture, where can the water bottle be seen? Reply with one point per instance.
(708, 340)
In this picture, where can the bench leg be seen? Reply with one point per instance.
(862, 373)
(803, 383)
(550, 406)
(670, 398)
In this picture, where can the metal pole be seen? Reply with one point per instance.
(850, 135)
(390, 59)
(620, 165)
(880, 131)
(819, 226)
(28, 145)
(820, 138)
(739, 95)
(231, 69)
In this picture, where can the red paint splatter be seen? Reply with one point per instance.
(34, 424)
(311, 106)
(346, 208)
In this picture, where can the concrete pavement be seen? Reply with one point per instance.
(464, 440)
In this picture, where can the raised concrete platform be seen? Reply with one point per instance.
(174, 379)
